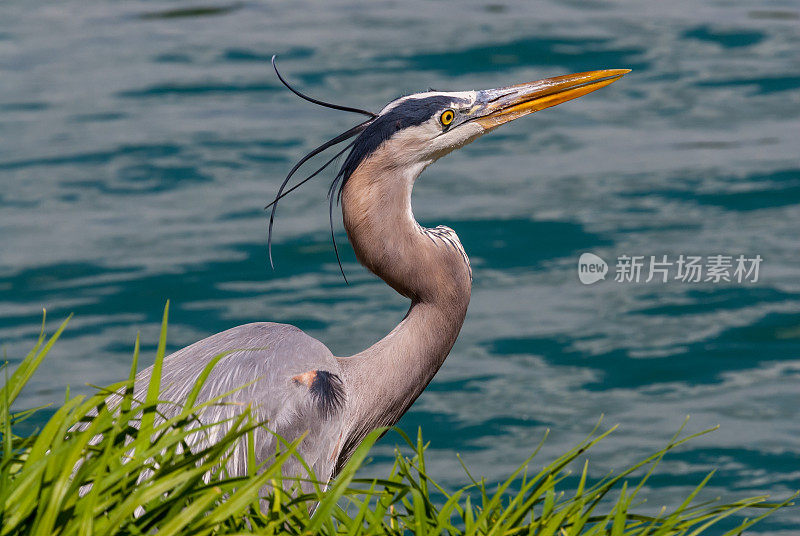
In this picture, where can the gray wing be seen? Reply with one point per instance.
(290, 380)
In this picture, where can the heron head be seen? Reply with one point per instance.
(423, 127)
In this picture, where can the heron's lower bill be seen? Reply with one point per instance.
(508, 103)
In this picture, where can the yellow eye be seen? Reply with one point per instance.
(447, 117)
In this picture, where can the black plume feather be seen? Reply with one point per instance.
(317, 101)
(328, 144)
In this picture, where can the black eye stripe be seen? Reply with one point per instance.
(408, 113)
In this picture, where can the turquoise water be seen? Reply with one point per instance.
(140, 141)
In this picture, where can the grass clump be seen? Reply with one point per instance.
(102, 468)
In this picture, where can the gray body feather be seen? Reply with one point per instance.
(263, 361)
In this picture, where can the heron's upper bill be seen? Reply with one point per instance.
(508, 103)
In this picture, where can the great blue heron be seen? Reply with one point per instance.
(292, 381)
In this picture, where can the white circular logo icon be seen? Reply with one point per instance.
(591, 268)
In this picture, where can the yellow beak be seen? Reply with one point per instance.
(501, 105)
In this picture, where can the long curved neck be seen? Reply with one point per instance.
(426, 265)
